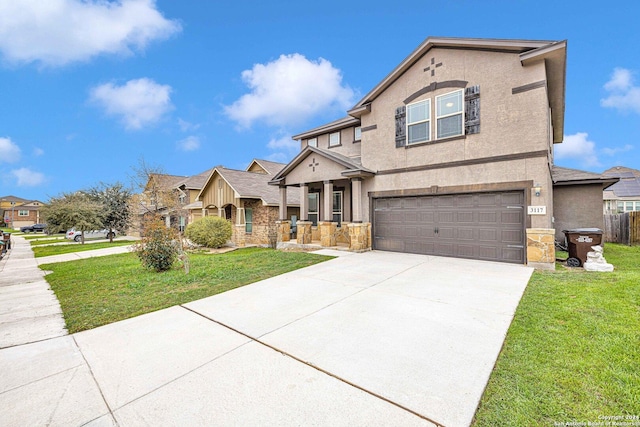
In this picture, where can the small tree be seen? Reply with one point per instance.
(209, 231)
(73, 210)
(116, 208)
(160, 247)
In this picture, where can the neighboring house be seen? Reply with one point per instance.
(246, 199)
(450, 154)
(17, 212)
(624, 196)
(577, 199)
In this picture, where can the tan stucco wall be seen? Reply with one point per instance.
(324, 170)
(577, 206)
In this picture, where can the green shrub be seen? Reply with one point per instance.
(209, 231)
(159, 248)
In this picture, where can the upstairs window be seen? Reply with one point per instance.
(334, 139)
(357, 134)
(313, 142)
(449, 111)
(419, 122)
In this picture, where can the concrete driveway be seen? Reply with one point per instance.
(364, 339)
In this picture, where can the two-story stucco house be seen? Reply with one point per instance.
(450, 154)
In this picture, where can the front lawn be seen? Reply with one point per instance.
(572, 353)
(97, 291)
(40, 251)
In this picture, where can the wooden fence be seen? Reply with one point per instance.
(622, 228)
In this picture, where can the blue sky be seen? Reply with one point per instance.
(88, 88)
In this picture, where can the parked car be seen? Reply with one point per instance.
(33, 228)
(76, 235)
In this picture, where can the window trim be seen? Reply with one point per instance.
(335, 212)
(317, 211)
(460, 113)
(248, 220)
(338, 143)
(355, 134)
(312, 142)
(427, 121)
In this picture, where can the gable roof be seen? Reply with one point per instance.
(353, 166)
(254, 185)
(567, 176)
(530, 51)
(268, 166)
(196, 182)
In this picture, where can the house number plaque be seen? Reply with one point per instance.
(536, 210)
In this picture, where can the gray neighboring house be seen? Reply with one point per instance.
(624, 196)
(450, 154)
(577, 199)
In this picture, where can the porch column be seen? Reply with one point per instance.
(283, 203)
(221, 212)
(304, 202)
(327, 211)
(356, 200)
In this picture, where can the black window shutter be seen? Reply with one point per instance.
(401, 126)
(472, 110)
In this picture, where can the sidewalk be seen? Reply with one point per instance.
(29, 310)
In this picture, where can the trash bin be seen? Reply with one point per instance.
(579, 242)
(6, 238)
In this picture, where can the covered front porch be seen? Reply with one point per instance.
(330, 189)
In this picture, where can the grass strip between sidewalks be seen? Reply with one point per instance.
(42, 251)
(97, 291)
(572, 353)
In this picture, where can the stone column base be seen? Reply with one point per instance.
(359, 240)
(327, 233)
(541, 250)
(239, 235)
(304, 232)
(283, 230)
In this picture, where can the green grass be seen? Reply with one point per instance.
(572, 352)
(40, 251)
(97, 291)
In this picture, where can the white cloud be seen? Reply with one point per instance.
(186, 126)
(577, 147)
(27, 178)
(613, 151)
(285, 143)
(139, 102)
(58, 32)
(624, 95)
(289, 90)
(9, 151)
(190, 143)
(38, 152)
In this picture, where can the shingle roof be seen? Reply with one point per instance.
(196, 182)
(251, 185)
(272, 168)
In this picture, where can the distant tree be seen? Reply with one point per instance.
(73, 210)
(115, 200)
(157, 192)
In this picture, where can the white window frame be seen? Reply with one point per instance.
(357, 133)
(317, 211)
(335, 212)
(312, 142)
(427, 102)
(334, 142)
(457, 113)
(23, 212)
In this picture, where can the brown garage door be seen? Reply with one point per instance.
(486, 226)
